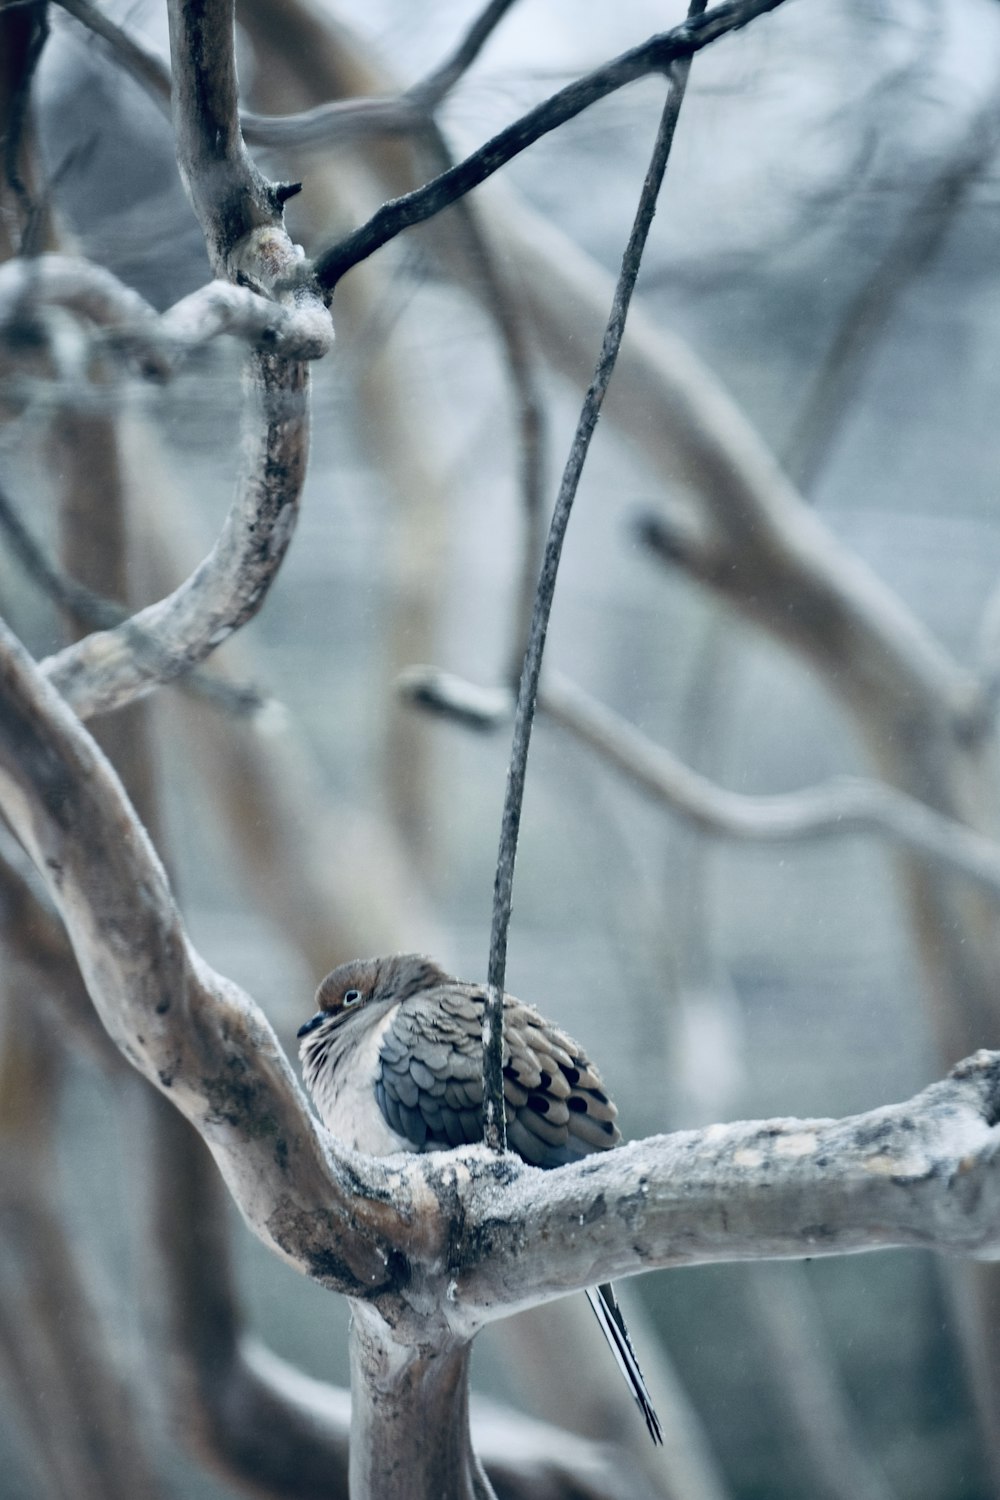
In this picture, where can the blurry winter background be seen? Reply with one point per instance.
(826, 242)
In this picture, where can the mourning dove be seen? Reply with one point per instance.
(393, 1059)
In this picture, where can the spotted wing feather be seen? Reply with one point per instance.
(429, 1084)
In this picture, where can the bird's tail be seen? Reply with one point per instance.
(605, 1304)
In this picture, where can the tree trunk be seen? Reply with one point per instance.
(410, 1435)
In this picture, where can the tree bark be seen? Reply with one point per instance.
(410, 1416)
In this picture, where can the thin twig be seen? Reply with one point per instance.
(495, 1131)
(652, 56)
(335, 120)
(858, 338)
(72, 598)
(131, 52)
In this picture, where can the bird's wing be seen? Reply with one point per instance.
(429, 1080)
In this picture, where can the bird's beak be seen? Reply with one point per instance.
(312, 1023)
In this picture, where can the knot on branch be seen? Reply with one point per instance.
(982, 1070)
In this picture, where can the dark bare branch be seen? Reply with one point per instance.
(654, 56)
(230, 196)
(524, 713)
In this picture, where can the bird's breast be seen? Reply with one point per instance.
(345, 1094)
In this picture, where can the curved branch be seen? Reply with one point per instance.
(921, 1173)
(836, 808)
(110, 668)
(131, 52)
(91, 611)
(833, 809)
(192, 1033)
(298, 330)
(430, 91)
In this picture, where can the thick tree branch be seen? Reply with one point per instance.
(88, 610)
(921, 1173)
(241, 217)
(925, 1173)
(192, 1033)
(229, 195)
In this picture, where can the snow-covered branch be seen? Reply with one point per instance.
(924, 1173)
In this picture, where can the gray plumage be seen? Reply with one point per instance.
(393, 1060)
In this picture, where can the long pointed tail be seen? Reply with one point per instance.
(605, 1304)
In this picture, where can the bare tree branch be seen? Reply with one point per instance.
(653, 56)
(324, 124)
(91, 611)
(879, 1179)
(924, 1173)
(190, 1032)
(493, 1084)
(838, 808)
(430, 91)
(25, 223)
(113, 667)
(230, 196)
(241, 216)
(921, 1173)
(834, 809)
(129, 323)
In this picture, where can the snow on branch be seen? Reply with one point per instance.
(467, 1233)
(124, 321)
(920, 1174)
(190, 1031)
(241, 217)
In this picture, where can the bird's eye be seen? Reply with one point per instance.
(351, 997)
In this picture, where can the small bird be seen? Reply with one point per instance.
(393, 1060)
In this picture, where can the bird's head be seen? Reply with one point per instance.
(350, 988)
